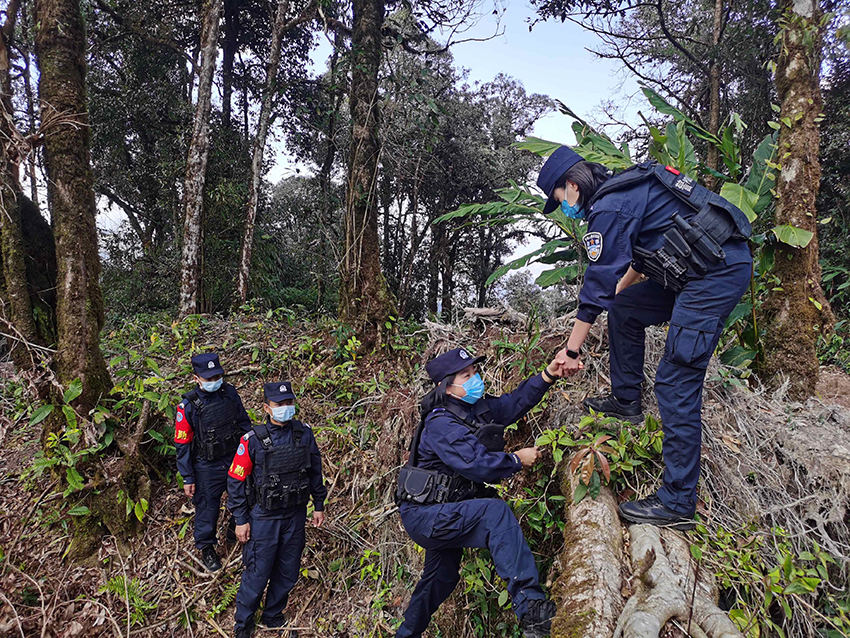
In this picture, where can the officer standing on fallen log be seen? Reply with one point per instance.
(692, 245)
(276, 470)
(443, 501)
(209, 422)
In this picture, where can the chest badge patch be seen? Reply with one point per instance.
(593, 245)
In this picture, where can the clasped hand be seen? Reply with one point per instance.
(563, 366)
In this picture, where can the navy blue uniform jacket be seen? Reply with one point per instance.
(616, 224)
(448, 446)
(184, 426)
(249, 461)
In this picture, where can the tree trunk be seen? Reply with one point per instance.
(363, 296)
(259, 145)
(60, 48)
(28, 92)
(797, 311)
(11, 234)
(196, 166)
(433, 268)
(711, 159)
(231, 44)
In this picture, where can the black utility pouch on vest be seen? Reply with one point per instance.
(285, 480)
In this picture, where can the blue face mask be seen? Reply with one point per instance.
(474, 388)
(283, 413)
(573, 212)
(211, 386)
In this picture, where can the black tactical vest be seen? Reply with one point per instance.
(427, 487)
(217, 432)
(285, 482)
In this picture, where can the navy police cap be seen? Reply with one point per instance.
(558, 163)
(450, 362)
(206, 365)
(278, 391)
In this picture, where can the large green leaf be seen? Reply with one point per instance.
(544, 148)
(793, 236)
(551, 277)
(680, 149)
(762, 177)
(546, 249)
(741, 197)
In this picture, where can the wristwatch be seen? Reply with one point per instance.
(572, 354)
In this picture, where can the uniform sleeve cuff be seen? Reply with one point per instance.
(188, 480)
(586, 314)
(517, 461)
(319, 506)
(241, 520)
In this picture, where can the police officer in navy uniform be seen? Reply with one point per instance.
(443, 502)
(691, 244)
(210, 420)
(276, 470)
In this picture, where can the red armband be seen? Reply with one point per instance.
(242, 464)
(183, 432)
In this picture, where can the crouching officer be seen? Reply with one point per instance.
(210, 420)
(692, 245)
(444, 504)
(276, 470)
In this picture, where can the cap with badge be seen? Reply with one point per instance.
(558, 163)
(207, 365)
(278, 391)
(450, 362)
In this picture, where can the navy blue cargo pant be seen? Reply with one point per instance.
(210, 484)
(697, 316)
(272, 556)
(444, 530)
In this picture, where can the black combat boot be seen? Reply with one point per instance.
(276, 622)
(244, 632)
(537, 621)
(210, 559)
(651, 511)
(611, 406)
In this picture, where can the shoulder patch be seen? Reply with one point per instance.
(593, 245)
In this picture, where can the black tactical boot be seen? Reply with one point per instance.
(276, 622)
(610, 406)
(652, 511)
(210, 559)
(537, 621)
(244, 632)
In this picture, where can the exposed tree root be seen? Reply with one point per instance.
(667, 586)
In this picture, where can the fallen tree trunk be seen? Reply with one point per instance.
(588, 590)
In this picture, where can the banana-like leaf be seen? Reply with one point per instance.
(793, 236)
(546, 249)
(551, 277)
(544, 148)
(762, 178)
(741, 197)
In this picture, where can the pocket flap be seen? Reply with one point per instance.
(695, 320)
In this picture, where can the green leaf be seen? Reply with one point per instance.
(580, 493)
(551, 277)
(70, 416)
(741, 310)
(153, 365)
(141, 509)
(74, 390)
(595, 485)
(74, 478)
(737, 356)
(793, 236)
(762, 178)
(796, 587)
(79, 510)
(544, 148)
(741, 197)
(546, 249)
(503, 598)
(41, 413)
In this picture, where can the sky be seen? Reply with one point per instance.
(553, 59)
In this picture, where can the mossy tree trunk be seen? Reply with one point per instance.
(191, 262)
(60, 49)
(797, 311)
(18, 309)
(364, 298)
